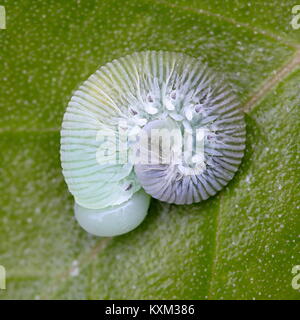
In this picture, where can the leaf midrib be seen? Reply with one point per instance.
(232, 21)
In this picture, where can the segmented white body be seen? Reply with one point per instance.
(147, 89)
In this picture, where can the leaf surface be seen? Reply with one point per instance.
(240, 244)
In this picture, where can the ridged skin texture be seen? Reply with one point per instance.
(201, 101)
(141, 89)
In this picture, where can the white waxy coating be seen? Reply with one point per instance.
(115, 220)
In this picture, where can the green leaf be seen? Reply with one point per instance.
(240, 244)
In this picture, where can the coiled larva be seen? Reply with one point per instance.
(134, 96)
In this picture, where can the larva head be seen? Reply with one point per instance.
(194, 129)
(115, 220)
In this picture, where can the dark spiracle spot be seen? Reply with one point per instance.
(128, 187)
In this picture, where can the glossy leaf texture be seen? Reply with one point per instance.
(240, 244)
